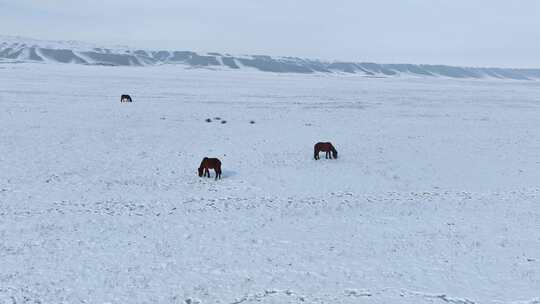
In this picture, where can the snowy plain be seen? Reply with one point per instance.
(434, 198)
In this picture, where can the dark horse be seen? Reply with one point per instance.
(210, 163)
(325, 147)
(125, 98)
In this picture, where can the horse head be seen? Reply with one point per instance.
(334, 153)
(201, 171)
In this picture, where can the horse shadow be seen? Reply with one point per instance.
(228, 173)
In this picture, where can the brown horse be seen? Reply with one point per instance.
(325, 147)
(125, 98)
(210, 163)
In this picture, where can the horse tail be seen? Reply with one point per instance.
(218, 169)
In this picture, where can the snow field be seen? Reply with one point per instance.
(434, 197)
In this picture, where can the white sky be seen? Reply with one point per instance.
(503, 33)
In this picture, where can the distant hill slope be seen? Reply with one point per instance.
(23, 49)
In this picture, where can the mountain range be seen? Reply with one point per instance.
(17, 49)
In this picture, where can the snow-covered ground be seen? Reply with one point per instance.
(435, 197)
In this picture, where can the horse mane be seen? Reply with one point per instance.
(202, 162)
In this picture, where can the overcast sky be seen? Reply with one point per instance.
(502, 33)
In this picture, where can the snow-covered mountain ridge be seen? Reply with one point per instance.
(23, 49)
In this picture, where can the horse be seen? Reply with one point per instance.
(326, 147)
(125, 98)
(210, 163)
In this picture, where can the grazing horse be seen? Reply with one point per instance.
(125, 98)
(210, 163)
(326, 147)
